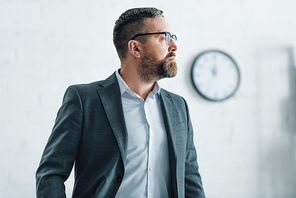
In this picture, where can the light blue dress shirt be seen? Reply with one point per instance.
(147, 170)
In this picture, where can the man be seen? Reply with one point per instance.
(127, 136)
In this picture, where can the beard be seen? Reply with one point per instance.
(152, 70)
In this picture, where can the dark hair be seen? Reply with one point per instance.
(130, 23)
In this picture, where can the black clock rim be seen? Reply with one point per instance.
(196, 87)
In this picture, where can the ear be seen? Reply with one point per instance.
(135, 48)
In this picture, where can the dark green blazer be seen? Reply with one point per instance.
(90, 132)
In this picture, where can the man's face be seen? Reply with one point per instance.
(158, 60)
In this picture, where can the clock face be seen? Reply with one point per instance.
(215, 75)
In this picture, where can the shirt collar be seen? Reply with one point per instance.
(123, 86)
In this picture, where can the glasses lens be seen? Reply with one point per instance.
(174, 37)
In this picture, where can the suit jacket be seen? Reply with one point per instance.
(90, 131)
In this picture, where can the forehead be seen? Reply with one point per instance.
(158, 24)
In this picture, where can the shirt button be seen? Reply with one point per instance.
(150, 169)
(149, 194)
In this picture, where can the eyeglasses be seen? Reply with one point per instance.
(168, 36)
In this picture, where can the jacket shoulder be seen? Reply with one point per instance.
(174, 96)
(93, 86)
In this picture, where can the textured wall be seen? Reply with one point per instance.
(246, 144)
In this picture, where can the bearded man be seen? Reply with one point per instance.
(126, 136)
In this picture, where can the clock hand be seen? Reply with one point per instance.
(214, 70)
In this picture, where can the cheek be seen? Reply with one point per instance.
(163, 52)
(159, 52)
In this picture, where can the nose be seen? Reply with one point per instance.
(172, 47)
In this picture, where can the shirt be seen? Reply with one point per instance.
(147, 169)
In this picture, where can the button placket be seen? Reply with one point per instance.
(149, 164)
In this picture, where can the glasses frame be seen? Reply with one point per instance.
(167, 41)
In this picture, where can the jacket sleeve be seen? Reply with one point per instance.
(60, 152)
(193, 183)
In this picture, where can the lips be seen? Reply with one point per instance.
(171, 56)
(172, 59)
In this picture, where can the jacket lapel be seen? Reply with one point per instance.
(169, 114)
(111, 99)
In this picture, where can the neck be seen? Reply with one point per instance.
(134, 82)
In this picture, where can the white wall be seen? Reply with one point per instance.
(246, 144)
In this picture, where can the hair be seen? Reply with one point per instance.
(130, 23)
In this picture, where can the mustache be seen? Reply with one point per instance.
(171, 54)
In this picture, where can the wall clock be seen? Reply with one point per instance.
(215, 75)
